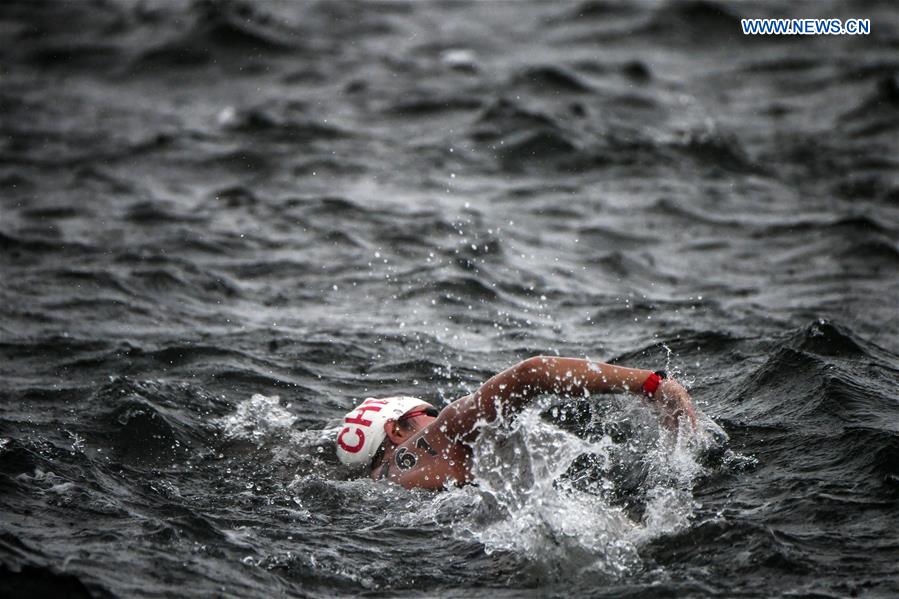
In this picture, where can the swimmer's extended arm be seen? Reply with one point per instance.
(512, 389)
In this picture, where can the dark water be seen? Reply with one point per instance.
(207, 205)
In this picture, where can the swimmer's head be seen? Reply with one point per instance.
(365, 427)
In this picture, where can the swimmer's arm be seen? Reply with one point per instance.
(512, 389)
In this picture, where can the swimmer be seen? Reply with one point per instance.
(408, 441)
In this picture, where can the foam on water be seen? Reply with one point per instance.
(257, 418)
(264, 421)
(529, 499)
(532, 505)
(528, 508)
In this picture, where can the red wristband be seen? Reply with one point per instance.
(652, 382)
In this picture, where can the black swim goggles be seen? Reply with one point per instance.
(432, 412)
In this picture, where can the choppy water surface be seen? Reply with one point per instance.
(223, 223)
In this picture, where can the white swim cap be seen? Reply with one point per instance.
(363, 432)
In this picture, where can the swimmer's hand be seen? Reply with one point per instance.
(675, 403)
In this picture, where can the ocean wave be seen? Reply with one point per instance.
(223, 29)
(551, 79)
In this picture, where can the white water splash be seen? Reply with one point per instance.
(526, 504)
(257, 419)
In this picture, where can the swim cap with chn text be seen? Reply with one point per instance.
(363, 431)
